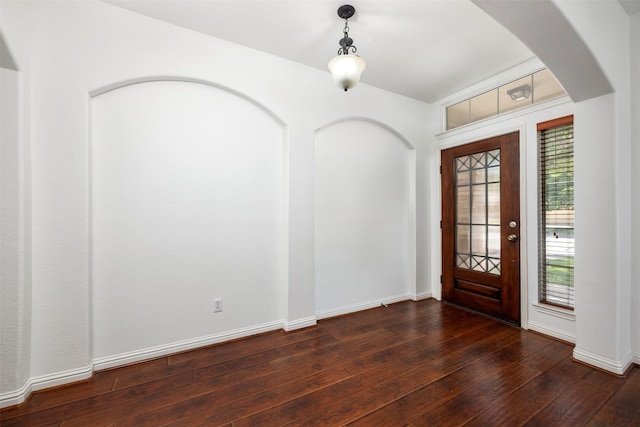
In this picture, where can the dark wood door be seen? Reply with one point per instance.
(481, 226)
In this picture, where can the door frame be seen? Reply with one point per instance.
(465, 136)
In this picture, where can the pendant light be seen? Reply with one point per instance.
(346, 67)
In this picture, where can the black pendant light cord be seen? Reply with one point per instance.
(346, 43)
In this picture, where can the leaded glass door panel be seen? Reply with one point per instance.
(481, 226)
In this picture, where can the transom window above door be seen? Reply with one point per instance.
(537, 87)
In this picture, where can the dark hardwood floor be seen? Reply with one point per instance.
(409, 364)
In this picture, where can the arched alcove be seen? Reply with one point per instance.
(186, 207)
(364, 216)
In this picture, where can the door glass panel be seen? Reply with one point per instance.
(493, 203)
(479, 204)
(463, 261)
(464, 214)
(478, 212)
(493, 247)
(463, 236)
(479, 240)
(464, 177)
(493, 174)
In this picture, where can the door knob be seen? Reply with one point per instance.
(512, 237)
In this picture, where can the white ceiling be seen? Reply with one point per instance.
(424, 49)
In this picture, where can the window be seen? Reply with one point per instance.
(528, 90)
(556, 247)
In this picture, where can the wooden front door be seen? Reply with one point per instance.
(481, 226)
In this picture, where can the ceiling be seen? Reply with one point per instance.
(423, 49)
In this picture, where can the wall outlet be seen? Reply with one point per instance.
(217, 305)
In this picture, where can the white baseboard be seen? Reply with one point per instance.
(339, 311)
(552, 332)
(614, 366)
(66, 377)
(43, 382)
(299, 323)
(180, 346)
(421, 296)
(635, 358)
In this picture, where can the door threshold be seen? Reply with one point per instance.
(470, 310)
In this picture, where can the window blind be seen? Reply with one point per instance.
(556, 248)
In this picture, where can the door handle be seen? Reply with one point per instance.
(512, 237)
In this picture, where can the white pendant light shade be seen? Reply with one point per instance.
(346, 70)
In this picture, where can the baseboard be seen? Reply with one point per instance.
(635, 358)
(552, 332)
(339, 311)
(421, 296)
(299, 323)
(19, 396)
(108, 362)
(613, 366)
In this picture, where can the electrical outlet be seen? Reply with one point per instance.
(217, 305)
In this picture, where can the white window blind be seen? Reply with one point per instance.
(556, 248)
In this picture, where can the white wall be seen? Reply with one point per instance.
(80, 49)
(635, 188)
(15, 210)
(603, 242)
(596, 261)
(186, 189)
(364, 217)
(11, 244)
